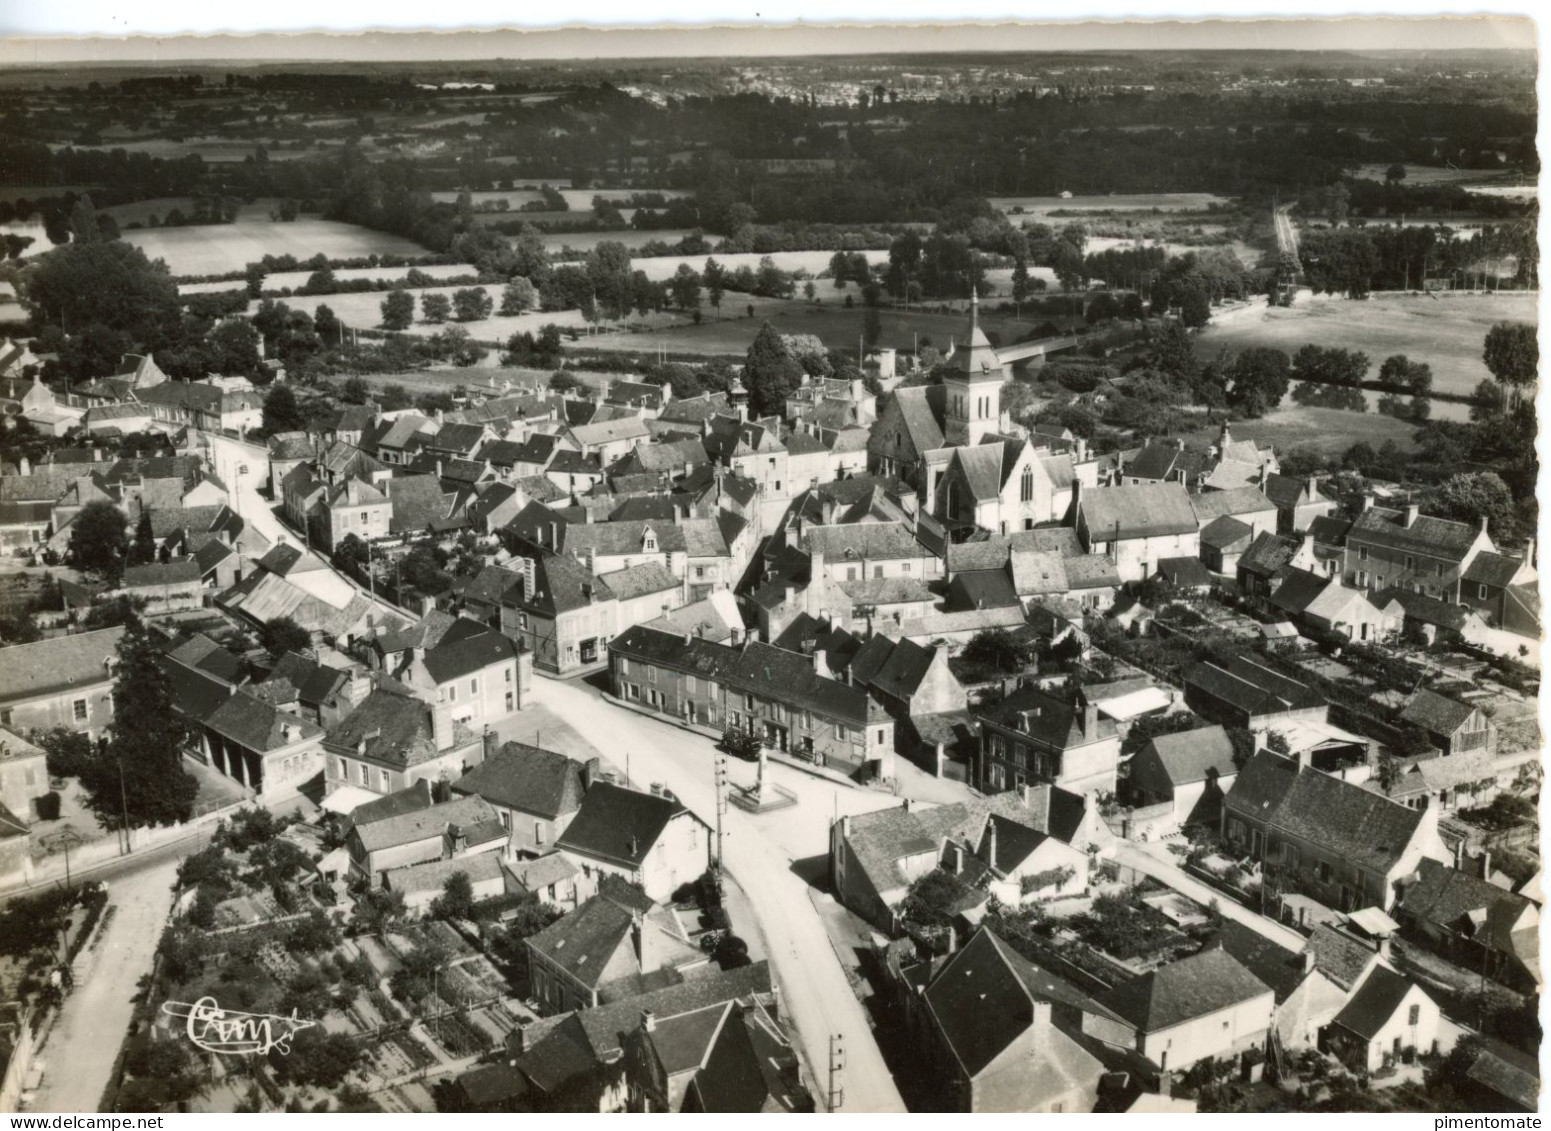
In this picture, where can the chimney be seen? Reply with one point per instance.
(1090, 718)
(648, 1020)
(1036, 799)
(441, 726)
(736, 635)
(791, 594)
(457, 839)
(1384, 947)
(591, 772)
(991, 842)
(1311, 485)
(1265, 475)
(1367, 500)
(1482, 527)
(96, 455)
(1412, 510)
(1307, 961)
(1081, 452)
(1165, 1083)
(554, 536)
(1039, 1034)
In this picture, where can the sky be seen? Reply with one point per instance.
(31, 28)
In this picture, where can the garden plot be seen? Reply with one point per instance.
(215, 249)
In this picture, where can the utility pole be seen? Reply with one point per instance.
(123, 797)
(837, 1064)
(719, 771)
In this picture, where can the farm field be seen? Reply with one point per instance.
(1447, 333)
(364, 312)
(1474, 180)
(139, 211)
(1117, 202)
(583, 242)
(836, 326)
(1329, 431)
(218, 248)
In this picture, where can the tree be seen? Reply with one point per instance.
(1414, 376)
(99, 542)
(1020, 280)
(933, 899)
(1472, 496)
(999, 649)
(377, 910)
(435, 308)
(327, 326)
(1513, 356)
(142, 551)
(456, 900)
(1144, 730)
(1195, 307)
(872, 325)
(470, 304)
(770, 372)
(142, 771)
(685, 287)
(1174, 353)
(354, 391)
(317, 1058)
(109, 283)
(518, 296)
(398, 310)
(810, 291)
(1395, 174)
(715, 281)
(281, 635)
(313, 935)
(281, 412)
(1258, 380)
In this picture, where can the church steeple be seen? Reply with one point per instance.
(974, 384)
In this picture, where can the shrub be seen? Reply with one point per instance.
(48, 806)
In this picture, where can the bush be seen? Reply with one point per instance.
(67, 753)
(48, 806)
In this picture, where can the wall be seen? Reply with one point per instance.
(58, 710)
(1200, 1037)
(1421, 1037)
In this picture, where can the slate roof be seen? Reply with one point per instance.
(1299, 589)
(1184, 573)
(1345, 820)
(432, 875)
(887, 591)
(1446, 897)
(863, 541)
(1253, 687)
(618, 824)
(421, 824)
(1330, 529)
(1153, 461)
(982, 589)
(290, 445)
(468, 650)
(1497, 570)
(1339, 956)
(59, 663)
(583, 942)
(1267, 554)
(1436, 714)
(1374, 1003)
(1045, 718)
(1510, 1073)
(409, 800)
(1145, 510)
(1195, 755)
(1274, 964)
(1225, 532)
(314, 682)
(1424, 609)
(921, 408)
(1183, 990)
(205, 655)
(532, 779)
(1239, 500)
(560, 583)
(639, 580)
(1439, 537)
(184, 571)
(396, 728)
(1287, 491)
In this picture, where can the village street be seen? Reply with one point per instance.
(761, 853)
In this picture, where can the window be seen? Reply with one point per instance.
(1410, 562)
(452, 692)
(508, 672)
(1026, 485)
(748, 702)
(624, 665)
(1323, 871)
(1378, 581)
(840, 731)
(341, 769)
(880, 738)
(473, 687)
(710, 687)
(1481, 592)
(904, 567)
(689, 684)
(79, 708)
(538, 832)
(651, 675)
(382, 780)
(5, 718)
(1415, 1016)
(1362, 553)
(850, 573)
(1437, 571)
(511, 704)
(1235, 829)
(877, 572)
(700, 571)
(363, 518)
(1290, 855)
(365, 774)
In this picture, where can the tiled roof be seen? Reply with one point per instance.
(921, 408)
(290, 445)
(1224, 532)
(1339, 956)
(639, 580)
(1274, 964)
(418, 502)
(415, 797)
(1253, 687)
(1374, 1003)
(863, 541)
(1437, 714)
(1195, 755)
(472, 648)
(1267, 554)
(1424, 609)
(1146, 510)
(59, 663)
(258, 726)
(1184, 572)
(560, 583)
(1184, 990)
(184, 571)
(542, 782)
(396, 729)
(1046, 719)
(1439, 537)
(1299, 589)
(1497, 570)
(421, 824)
(434, 874)
(981, 589)
(1446, 897)
(1239, 500)
(1330, 529)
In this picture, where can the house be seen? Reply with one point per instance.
(354, 506)
(990, 1036)
(452, 830)
(1262, 564)
(1344, 845)
(1207, 1005)
(1499, 1077)
(1190, 771)
(23, 775)
(394, 440)
(418, 504)
(63, 681)
(166, 587)
(535, 792)
(876, 856)
(1247, 504)
(1389, 1018)
(203, 405)
(259, 746)
(563, 615)
(15, 851)
(910, 681)
(1427, 619)
(576, 1061)
(608, 440)
(1306, 997)
(287, 451)
(421, 884)
(1321, 602)
(555, 879)
(1449, 782)
(1138, 525)
(760, 688)
(1223, 543)
(25, 525)
(1251, 694)
(1165, 462)
(393, 739)
(1185, 575)
(481, 675)
(1453, 727)
(318, 692)
(1491, 580)
(856, 551)
(1411, 550)
(1473, 923)
(1034, 736)
(726, 1058)
(650, 839)
(617, 945)
(1298, 502)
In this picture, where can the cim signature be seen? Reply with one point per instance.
(230, 1033)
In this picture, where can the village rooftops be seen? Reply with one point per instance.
(1142, 510)
(1374, 1003)
(394, 728)
(868, 541)
(1195, 755)
(1184, 990)
(471, 815)
(466, 650)
(1425, 534)
(1046, 718)
(1436, 714)
(60, 663)
(531, 779)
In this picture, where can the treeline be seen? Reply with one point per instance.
(1355, 261)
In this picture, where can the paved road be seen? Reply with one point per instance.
(80, 1052)
(1153, 859)
(1286, 233)
(759, 852)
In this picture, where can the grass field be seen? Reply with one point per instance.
(579, 200)
(218, 248)
(1447, 333)
(1116, 202)
(214, 149)
(556, 242)
(34, 228)
(364, 312)
(293, 279)
(1328, 431)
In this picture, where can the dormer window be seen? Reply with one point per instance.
(649, 543)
